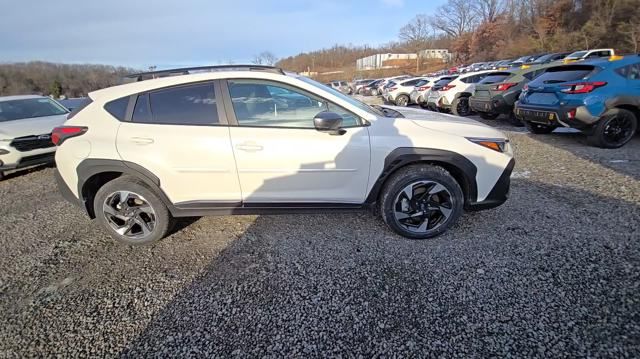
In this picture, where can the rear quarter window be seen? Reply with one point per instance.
(118, 108)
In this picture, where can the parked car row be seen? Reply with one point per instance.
(598, 96)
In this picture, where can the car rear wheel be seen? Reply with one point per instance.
(460, 106)
(131, 212)
(488, 115)
(614, 129)
(402, 100)
(421, 201)
(374, 92)
(539, 129)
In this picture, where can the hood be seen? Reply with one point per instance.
(454, 125)
(30, 126)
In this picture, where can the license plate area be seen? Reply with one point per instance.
(542, 117)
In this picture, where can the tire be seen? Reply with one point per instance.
(374, 92)
(402, 100)
(514, 121)
(539, 129)
(460, 107)
(446, 201)
(424, 105)
(152, 213)
(488, 115)
(614, 129)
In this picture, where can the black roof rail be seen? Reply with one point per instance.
(188, 70)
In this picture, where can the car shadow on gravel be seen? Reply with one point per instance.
(553, 272)
(624, 160)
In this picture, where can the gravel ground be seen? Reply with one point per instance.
(553, 272)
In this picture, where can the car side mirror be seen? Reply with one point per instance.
(329, 122)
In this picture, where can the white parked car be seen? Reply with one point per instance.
(420, 91)
(588, 54)
(455, 95)
(399, 91)
(385, 82)
(433, 94)
(26, 123)
(254, 139)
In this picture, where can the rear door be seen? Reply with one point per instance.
(181, 135)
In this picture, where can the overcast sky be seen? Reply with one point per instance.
(184, 32)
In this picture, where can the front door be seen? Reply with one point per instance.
(281, 157)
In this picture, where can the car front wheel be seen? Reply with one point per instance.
(614, 129)
(131, 212)
(421, 201)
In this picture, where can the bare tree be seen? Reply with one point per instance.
(265, 58)
(455, 18)
(418, 29)
(489, 10)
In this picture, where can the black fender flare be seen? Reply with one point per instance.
(92, 166)
(461, 168)
(463, 94)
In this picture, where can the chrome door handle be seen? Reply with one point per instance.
(142, 140)
(249, 147)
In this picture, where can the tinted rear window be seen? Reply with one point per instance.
(185, 105)
(422, 82)
(564, 74)
(442, 82)
(495, 78)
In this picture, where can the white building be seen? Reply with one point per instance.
(379, 61)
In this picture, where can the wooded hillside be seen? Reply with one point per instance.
(480, 30)
(57, 79)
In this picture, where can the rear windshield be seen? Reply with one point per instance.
(495, 78)
(564, 74)
(422, 83)
(443, 82)
(29, 108)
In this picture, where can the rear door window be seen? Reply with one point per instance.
(183, 105)
(564, 74)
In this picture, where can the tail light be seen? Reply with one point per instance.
(60, 134)
(504, 86)
(423, 88)
(582, 87)
(447, 87)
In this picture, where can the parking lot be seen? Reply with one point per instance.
(553, 272)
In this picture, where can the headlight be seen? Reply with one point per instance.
(496, 144)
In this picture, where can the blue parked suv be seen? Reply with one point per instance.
(600, 97)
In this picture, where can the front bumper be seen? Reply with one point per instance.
(500, 192)
(28, 161)
(496, 104)
(556, 115)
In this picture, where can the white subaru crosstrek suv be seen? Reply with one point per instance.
(254, 139)
(398, 93)
(455, 95)
(26, 123)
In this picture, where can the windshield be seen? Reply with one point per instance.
(361, 105)
(29, 108)
(577, 54)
